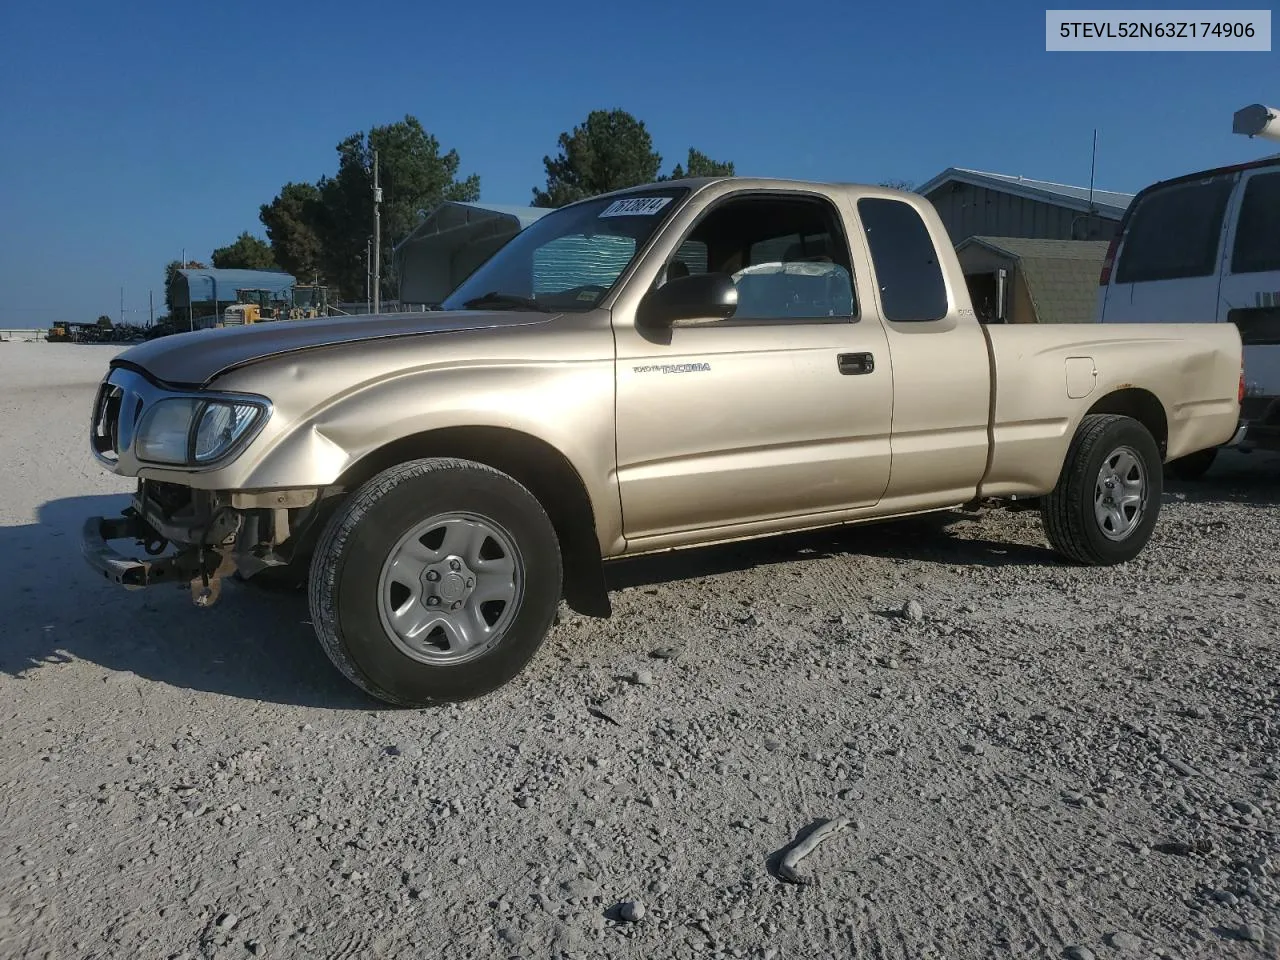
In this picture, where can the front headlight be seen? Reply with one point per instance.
(192, 431)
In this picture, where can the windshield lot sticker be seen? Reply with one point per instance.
(635, 207)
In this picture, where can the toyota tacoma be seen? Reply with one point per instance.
(667, 366)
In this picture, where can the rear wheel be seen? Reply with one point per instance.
(436, 581)
(1195, 465)
(1107, 499)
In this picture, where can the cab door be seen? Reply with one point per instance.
(781, 411)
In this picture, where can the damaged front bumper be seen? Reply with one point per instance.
(196, 538)
(197, 566)
(130, 572)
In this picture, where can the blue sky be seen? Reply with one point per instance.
(135, 130)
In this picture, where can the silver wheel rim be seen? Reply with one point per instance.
(450, 588)
(1120, 495)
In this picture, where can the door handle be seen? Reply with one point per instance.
(853, 364)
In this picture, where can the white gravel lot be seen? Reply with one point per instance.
(1039, 761)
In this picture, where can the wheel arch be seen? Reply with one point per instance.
(1143, 406)
(535, 464)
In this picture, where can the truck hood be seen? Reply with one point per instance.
(196, 358)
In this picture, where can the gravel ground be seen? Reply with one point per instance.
(1036, 760)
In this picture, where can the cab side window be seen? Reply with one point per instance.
(1257, 247)
(908, 273)
(786, 255)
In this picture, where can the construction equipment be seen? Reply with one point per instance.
(253, 305)
(256, 305)
(309, 302)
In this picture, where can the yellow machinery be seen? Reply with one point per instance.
(258, 306)
(251, 306)
(238, 314)
(309, 302)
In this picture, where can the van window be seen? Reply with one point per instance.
(1257, 246)
(906, 263)
(1174, 232)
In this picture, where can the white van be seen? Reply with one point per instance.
(1206, 248)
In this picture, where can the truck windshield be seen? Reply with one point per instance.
(569, 259)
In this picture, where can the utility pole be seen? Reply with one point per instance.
(122, 306)
(151, 307)
(377, 238)
(368, 275)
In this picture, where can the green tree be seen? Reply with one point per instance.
(246, 253)
(414, 175)
(609, 151)
(293, 222)
(699, 164)
(178, 311)
(898, 184)
(105, 322)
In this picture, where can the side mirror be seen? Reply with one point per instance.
(698, 296)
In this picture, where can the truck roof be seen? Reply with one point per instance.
(753, 183)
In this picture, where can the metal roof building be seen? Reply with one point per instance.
(452, 240)
(976, 203)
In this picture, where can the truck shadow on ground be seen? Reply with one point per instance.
(250, 645)
(1252, 479)
(260, 646)
(932, 537)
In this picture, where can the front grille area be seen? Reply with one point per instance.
(105, 434)
(169, 497)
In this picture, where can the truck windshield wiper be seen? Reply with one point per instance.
(496, 299)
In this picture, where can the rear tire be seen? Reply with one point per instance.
(1195, 465)
(1108, 496)
(436, 581)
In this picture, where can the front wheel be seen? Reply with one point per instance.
(1107, 499)
(436, 581)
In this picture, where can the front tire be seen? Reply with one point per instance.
(435, 581)
(1107, 499)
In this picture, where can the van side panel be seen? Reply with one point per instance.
(1168, 264)
(1249, 295)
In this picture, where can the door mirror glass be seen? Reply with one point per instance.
(698, 296)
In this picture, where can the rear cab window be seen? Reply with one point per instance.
(908, 272)
(1174, 232)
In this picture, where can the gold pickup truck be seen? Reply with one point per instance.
(668, 366)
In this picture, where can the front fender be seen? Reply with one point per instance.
(567, 406)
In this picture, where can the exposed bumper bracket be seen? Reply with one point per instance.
(131, 572)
